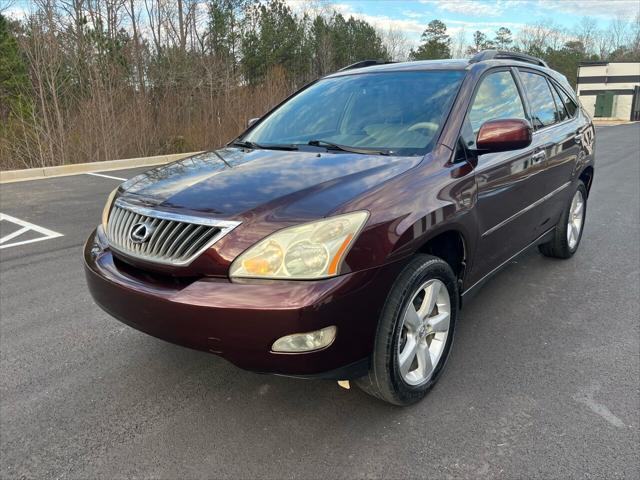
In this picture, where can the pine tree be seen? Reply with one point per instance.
(436, 43)
(224, 29)
(14, 81)
(480, 42)
(275, 36)
(503, 38)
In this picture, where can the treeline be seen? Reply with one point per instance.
(90, 80)
(563, 49)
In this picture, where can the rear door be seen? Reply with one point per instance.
(555, 144)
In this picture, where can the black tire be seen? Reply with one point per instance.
(384, 379)
(558, 246)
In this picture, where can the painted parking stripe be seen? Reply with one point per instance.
(6, 238)
(25, 227)
(105, 176)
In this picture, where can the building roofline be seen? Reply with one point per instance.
(595, 63)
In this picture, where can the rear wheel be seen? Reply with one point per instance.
(568, 233)
(415, 332)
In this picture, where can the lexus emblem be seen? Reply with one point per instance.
(140, 232)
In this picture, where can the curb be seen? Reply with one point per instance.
(10, 176)
(611, 123)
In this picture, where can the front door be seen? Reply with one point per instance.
(504, 180)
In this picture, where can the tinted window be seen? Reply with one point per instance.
(568, 103)
(543, 108)
(400, 111)
(561, 113)
(497, 98)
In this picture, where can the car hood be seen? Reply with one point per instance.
(289, 185)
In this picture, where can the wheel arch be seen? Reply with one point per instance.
(587, 177)
(451, 246)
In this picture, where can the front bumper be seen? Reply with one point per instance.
(240, 320)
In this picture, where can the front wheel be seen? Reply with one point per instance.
(568, 233)
(415, 332)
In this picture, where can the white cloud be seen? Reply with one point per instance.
(413, 21)
(411, 26)
(414, 14)
(481, 25)
(474, 8)
(599, 8)
(493, 8)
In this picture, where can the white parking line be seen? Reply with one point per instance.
(6, 238)
(105, 176)
(26, 226)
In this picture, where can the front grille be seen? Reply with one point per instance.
(162, 237)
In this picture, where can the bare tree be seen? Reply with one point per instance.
(46, 61)
(134, 18)
(603, 41)
(620, 32)
(555, 36)
(104, 79)
(533, 37)
(635, 36)
(397, 43)
(155, 17)
(460, 45)
(586, 32)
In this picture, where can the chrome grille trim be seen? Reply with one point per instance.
(176, 239)
(149, 212)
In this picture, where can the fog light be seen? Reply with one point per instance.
(305, 342)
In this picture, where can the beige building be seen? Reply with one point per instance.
(610, 90)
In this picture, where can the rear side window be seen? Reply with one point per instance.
(497, 99)
(543, 108)
(561, 113)
(568, 103)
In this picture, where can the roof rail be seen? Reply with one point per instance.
(502, 55)
(363, 64)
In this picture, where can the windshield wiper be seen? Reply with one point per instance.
(346, 148)
(268, 146)
(221, 158)
(241, 144)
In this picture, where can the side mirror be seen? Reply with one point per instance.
(252, 121)
(503, 135)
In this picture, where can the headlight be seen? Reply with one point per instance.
(107, 208)
(309, 251)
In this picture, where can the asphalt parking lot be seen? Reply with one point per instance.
(544, 378)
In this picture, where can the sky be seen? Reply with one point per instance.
(412, 16)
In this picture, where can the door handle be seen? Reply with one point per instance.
(578, 138)
(539, 156)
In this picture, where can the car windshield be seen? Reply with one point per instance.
(395, 112)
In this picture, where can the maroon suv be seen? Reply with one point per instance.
(339, 234)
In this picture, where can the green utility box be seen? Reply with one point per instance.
(604, 104)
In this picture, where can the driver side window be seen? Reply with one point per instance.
(497, 98)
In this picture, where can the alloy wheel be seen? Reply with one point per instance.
(576, 219)
(425, 327)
